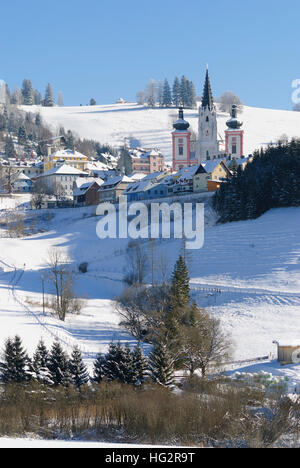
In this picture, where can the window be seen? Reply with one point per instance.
(180, 150)
(207, 119)
(180, 141)
(234, 149)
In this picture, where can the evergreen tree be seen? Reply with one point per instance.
(180, 287)
(93, 102)
(183, 91)
(115, 363)
(38, 120)
(10, 147)
(176, 92)
(167, 96)
(161, 365)
(27, 93)
(49, 99)
(22, 135)
(39, 366)
(14, 368)
(70, 140)
(58, 365)
(78, 370)
(99, 368)
(139, 366)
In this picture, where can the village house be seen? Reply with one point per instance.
(22, 183)
(210, 175)
(60, 180)
(113, 188)
(65, 156)
(86, 193)
(147, 161)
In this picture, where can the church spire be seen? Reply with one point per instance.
(207, 99)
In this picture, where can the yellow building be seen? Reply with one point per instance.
(214, 170)
(70, 157)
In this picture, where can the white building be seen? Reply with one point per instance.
(60, 180)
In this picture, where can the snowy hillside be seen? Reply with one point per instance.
(255, 264)
(152, 127)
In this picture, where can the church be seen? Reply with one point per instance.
(207, 146)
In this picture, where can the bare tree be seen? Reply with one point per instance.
(203, 342)
(61, 276)
(60, 99)
(227, 100)
(137, 263)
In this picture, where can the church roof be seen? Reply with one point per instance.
(181, 124)
(207, 98)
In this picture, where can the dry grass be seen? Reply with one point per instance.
(215, 415)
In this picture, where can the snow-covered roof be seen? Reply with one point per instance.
(211, 165)
(68, 154)
(116, 180)
(64, 169)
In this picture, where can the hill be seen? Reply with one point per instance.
(152, 127)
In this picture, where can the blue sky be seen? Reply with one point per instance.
(108, 49)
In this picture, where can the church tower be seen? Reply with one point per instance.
(234, 136)
(181, 137)
(208, 145)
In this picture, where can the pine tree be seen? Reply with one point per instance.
(27, 93)
(176, 92)
(139, 366)
(70, 143)
(127, 365)
(58, 365)
(161, 365)
(78, 370)
(10, 148)
(49, 99)
(114, 363)
(99, 368)
(167, 96)
(183, 91)
(180, 287)
(14, 368)
(22, 135)
(38, 120)
(39, 366)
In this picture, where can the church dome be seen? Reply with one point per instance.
(181, 124)
(234, 123)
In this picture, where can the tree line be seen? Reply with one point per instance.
(270, 180)
(160, 93)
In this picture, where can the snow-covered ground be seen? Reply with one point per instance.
(255, 264)
(153, 127)
(28, 443)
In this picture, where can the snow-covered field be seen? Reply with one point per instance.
(255, 264)
(152, 127)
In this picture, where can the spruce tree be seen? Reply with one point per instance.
(78, 370)
(176, 92)
(22, 135)
(58, 365)
(49, 99)
(180, 286)
(99, 368)
(115, 363)
(27, 93)
(10, 148)
(14, 367)
(139, 366)
(161, 365)
(39, 366)
(167, 96)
